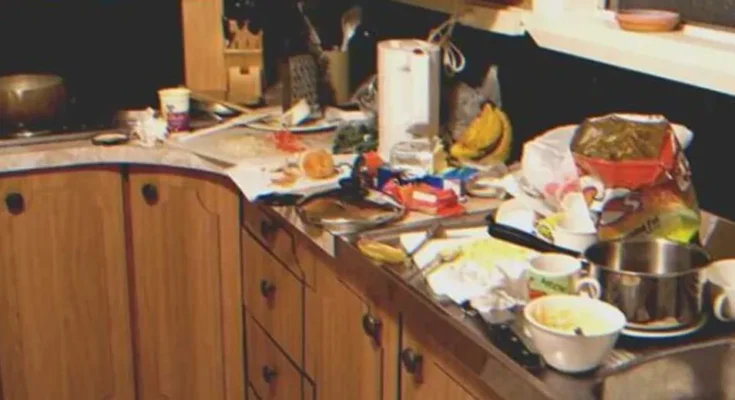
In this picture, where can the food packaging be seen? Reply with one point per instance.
(175, 108)
(636, 178)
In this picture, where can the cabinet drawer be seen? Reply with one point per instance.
(272, 375)
(271, 232)
(273, 296)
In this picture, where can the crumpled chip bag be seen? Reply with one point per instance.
(636, 178)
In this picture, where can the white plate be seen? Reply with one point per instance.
(272, 123)
(667, 334)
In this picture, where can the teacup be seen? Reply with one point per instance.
(721, 275)
(559, 274)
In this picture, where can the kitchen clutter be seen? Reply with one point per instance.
(594, 234)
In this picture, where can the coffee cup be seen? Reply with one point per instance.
(721, 276)
(559, 274)
(175, 108)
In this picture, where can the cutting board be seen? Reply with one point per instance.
(239, 145)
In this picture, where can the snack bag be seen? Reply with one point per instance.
(636, 178)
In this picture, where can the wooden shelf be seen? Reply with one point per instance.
(496, 18)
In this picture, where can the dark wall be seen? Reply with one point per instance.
(542, 89)
(112, 53)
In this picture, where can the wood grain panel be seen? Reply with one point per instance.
(282, 312)
(204, 45)
(187, 287)
(64, 320)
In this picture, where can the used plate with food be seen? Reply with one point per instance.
(277, 120)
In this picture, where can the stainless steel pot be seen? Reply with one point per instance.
(31, 101)
(656, 283)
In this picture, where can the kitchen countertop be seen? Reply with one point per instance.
(501, 374)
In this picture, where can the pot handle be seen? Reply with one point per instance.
(717, 308)
(521, 238)
(588, 286)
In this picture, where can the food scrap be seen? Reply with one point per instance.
(287, 141)
(318, 164)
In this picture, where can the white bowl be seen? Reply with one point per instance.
(563, 349)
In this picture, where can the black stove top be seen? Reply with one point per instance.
(78, 123)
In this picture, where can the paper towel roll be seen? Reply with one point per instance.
(408, 92)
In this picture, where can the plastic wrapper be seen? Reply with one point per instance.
(549, 167)
(636, 178)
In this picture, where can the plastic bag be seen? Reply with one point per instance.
(548, 165)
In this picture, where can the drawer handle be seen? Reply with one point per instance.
(372, 327)
(150, 193)
(267, 289)
(413, 363)
(15, 203)
(269, 374)
(267, 227)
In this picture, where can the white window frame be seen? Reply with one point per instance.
(696, 55)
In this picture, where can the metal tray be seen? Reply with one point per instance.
(342, 226)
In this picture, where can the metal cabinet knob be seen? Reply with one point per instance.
(15, 203)
(267, 289)
(413, 362)
(150, 193)
(267, 227)
(372, 327)
(269, 374)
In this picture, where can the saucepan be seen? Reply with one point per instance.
(657, 284)
(31, 101)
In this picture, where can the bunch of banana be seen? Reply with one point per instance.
(381, 252)
(487, 139)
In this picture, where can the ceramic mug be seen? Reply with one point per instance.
(559, 274)
(570, 235)
(721, 275)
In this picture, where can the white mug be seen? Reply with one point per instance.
(721, 275)
(554, 273)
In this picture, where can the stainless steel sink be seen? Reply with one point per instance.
(702, 371)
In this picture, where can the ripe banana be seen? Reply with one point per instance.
(487, 139)
(381, 252)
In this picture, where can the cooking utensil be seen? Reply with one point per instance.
(351, 19)
(217, 106)
(656, 283)
(31, 101)
(505, 339)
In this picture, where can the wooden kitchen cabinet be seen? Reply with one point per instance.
(273, 375)
(351, 344)
(425, 377)
(64, 316)
(274, 297)
(185, 243)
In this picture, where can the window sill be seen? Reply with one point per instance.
(695, 55)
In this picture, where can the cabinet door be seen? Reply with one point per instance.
(185, 242)
(346, 338)
(424, 378)
(64, 319)
(272, 374)
(274, 297)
